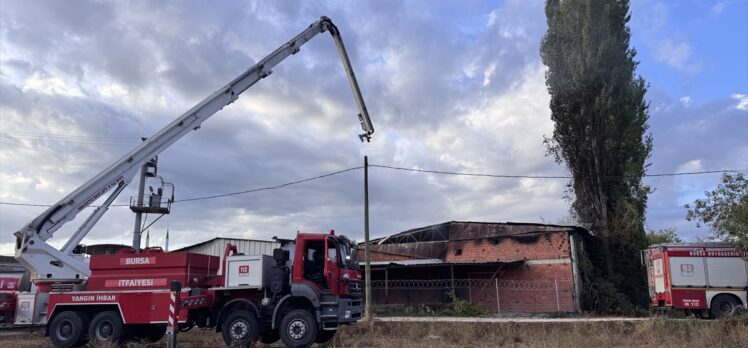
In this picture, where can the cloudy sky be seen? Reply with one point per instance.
(453, 86)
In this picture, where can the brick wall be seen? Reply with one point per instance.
(534, 288)
(527, 289)
(546, 285)
(553, 245)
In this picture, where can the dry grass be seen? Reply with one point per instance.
(647, 333)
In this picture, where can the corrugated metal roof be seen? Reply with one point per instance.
(224, 239)
(407, 262)
(471, 230)
(217, 247)
(9, 264)
(480, 262)
(432, 262)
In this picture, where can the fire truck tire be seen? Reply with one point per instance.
(67, 329)
(270, 336)
(240, 329)
(6, 317)
(107, 327)
(723, 306)
(298, 329)
(325, 335)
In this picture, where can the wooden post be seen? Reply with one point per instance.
(367, 266)
(139, 215)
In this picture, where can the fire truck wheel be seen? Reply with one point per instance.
(240, 329)
(298, 329)
(270, 337)
(325, 335)
(107, 327)
(723, 306)
(66, 329)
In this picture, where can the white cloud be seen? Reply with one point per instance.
(488, 73)
(742, 101)
(53, 85)
(705, 136)
(691, 166)
(298, 123)
(650, 23)
(686, 101)
(677, 54)
(718, 7)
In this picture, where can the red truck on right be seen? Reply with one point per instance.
(705, 279)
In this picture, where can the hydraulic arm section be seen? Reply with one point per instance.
(62, 265)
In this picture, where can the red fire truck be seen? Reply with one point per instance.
(10, 285)
(301, 294)
(706, 279)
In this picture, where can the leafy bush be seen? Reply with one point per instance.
(464, 308)
(456, 308)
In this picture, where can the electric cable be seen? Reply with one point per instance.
(280, 186)
(548, 176)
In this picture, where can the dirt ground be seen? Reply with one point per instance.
(643, 333)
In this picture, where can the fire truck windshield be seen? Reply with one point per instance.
(348, 254)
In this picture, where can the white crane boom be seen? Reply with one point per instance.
(62, 265)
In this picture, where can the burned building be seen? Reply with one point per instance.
(505, 267)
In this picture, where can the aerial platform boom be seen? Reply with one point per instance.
(62, 265)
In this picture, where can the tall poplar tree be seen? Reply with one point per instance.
(600, 116)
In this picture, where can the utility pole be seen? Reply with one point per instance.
(367, 266)
(139, 214)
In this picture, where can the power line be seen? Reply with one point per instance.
(546, 176)
(469, 174)
(280, 186)
(276, 187)
(77, 139)
(269, 187)
(55, 135)
(25, 204)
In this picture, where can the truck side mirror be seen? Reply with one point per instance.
(280, 256)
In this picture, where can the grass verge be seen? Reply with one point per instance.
(657, 332)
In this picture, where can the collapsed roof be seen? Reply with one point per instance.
(430, 242)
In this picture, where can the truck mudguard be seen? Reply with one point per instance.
(231, 303)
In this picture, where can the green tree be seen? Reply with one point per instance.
(665, 235)
(600, 123)
(724, 210)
